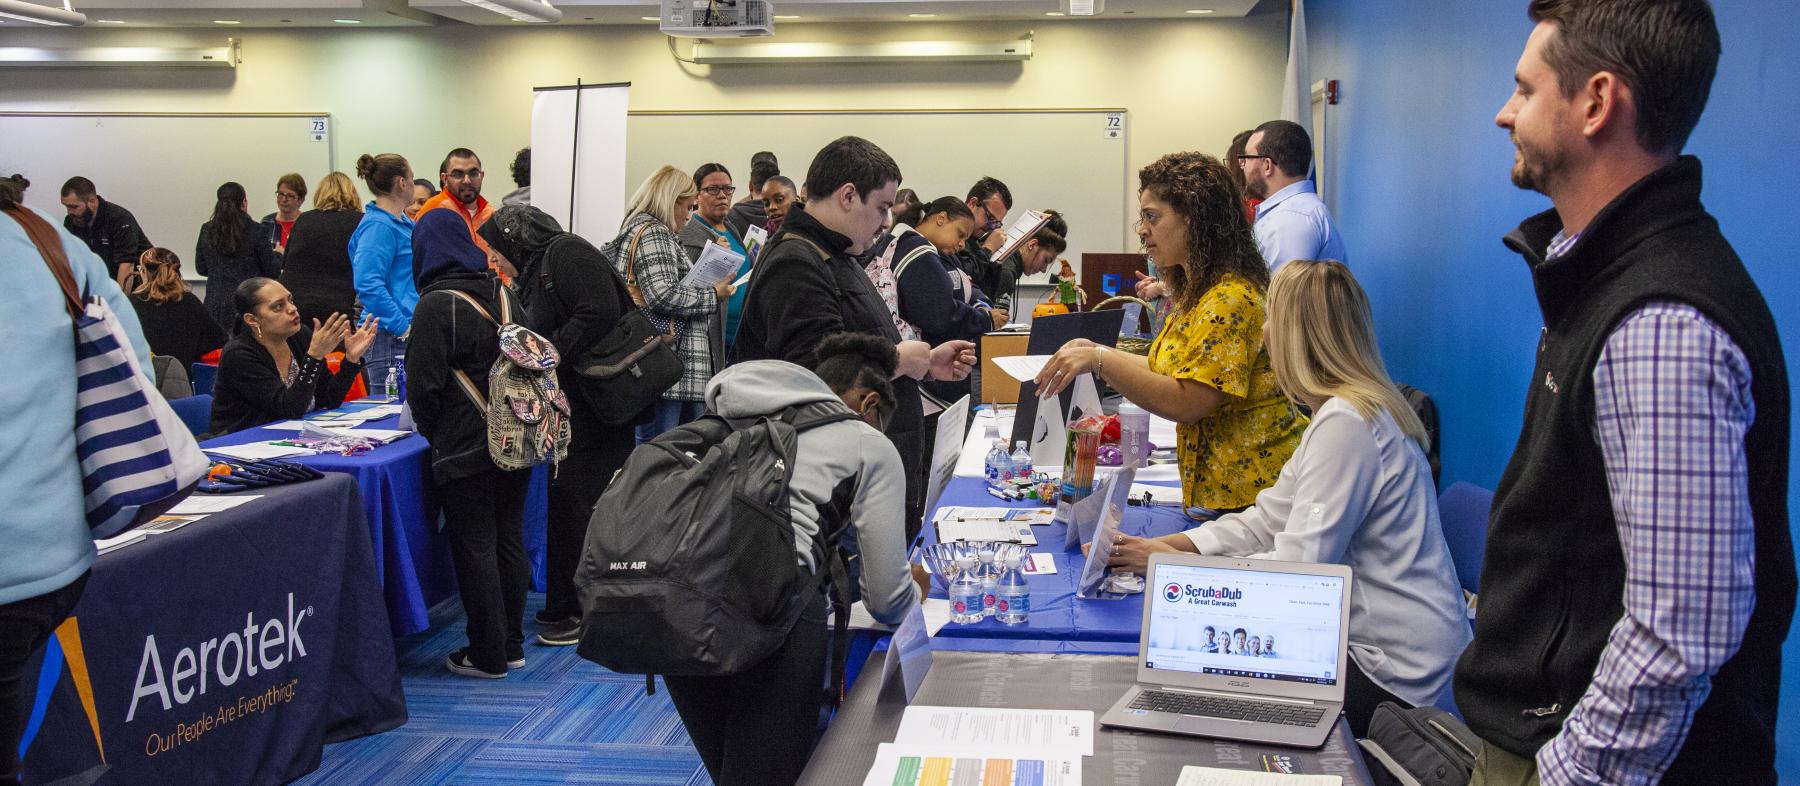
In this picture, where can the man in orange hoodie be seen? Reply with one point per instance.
(461, 176)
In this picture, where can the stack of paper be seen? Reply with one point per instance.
(201, 504)
(937, 613)
(1003, 745)
(1214, 776)
(257, 451)
(117, 542)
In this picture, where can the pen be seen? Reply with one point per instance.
(994, 492)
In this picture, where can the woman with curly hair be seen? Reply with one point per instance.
(1208, 370)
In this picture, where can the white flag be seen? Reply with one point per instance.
(1296, 90)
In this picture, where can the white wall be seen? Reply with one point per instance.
(1188, 84)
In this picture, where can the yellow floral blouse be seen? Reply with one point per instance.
(1237, 451)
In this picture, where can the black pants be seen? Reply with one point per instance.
(484, 515)
(911, 446)
(25, 626)
(1361, 696)
(579, 480)
(757, 727)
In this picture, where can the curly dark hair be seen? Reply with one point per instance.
(1199, 188)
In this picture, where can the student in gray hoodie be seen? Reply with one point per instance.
(756, 727)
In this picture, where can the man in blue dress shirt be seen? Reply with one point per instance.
(1292, 222)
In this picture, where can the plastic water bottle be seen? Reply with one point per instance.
(990, 576)
(965, 592)
(400, 363)
(999, 466)
(1021, 462)
(1012, 605)
(1134, 434)
(391, 388)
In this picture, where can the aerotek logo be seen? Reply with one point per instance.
(64, 649)
(220, 661)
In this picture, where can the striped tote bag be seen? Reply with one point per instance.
(137, 458)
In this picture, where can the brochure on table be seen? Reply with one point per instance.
(927, 765)
(1112, 492)
(947, 448)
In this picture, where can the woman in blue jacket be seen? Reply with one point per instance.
(381, 261)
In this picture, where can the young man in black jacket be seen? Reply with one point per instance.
(1639, 572)
(807, 286)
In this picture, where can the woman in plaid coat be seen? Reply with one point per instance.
(649, 256)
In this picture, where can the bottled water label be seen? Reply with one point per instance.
(1013, 608)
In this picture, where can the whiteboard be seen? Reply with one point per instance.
(164, 168)
(1062, 159)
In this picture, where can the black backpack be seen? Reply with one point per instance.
(1426, 409)
(688, 567)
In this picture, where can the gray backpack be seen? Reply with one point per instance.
(527, 414)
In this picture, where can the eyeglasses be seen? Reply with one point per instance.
(1248, 157)
(720, 190)
(457, 174)
(285, 195)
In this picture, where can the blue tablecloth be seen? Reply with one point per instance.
(228, 651)
(412, 553)
(1059, 621)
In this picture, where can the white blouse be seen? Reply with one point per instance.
(1361, 494)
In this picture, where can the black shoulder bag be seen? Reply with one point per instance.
(629, 368)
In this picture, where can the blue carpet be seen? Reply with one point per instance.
(559, 720)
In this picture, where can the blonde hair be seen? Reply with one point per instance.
(336, 192)
(661, 192)
(1322, 343)
(159, 279)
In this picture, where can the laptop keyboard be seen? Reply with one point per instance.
(1231, 709)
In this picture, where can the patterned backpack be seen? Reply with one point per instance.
(527, 414)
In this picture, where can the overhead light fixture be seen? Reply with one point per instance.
(226, 22)
(1083, 7)
(1053, 13)
(348, 21)
(110, 21)
(521, 10)
(119, 57)
(941, 51)
(42, 14)
(651, 18)
(922, 16)
(787, 17)
(1199, 10)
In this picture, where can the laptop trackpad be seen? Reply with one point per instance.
(1194, 725)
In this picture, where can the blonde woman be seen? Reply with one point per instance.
(317, 266)
(1358, 491)
(649, 256)
(175, 322)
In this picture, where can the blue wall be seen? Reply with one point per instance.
(1417, 173)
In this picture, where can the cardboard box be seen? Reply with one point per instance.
(997, 387)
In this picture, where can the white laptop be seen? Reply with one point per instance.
(1241, 649)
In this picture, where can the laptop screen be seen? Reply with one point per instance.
(1245, 623)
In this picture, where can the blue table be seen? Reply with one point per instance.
(228, 651)
(1059, 621)
(412, 553)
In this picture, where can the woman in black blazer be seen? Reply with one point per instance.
(274, 369)
(231, 250)
(316, 263)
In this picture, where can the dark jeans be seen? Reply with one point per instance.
(25, 626)
(1361, 696)
(484, 515)
(757, 727)
(575, 487)
(668, 414)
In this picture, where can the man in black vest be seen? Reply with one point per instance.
(1639, 577)
(807, 286)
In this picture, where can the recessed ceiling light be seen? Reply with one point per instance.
(922, 16)
(1199, 10)
(786, 16)
(651, 18)
(1053, 13)
(587, 19)
(348, 21)
(110, 21)
(226, 22)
